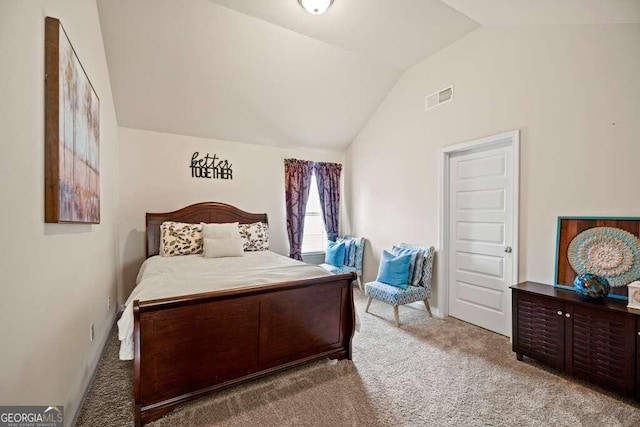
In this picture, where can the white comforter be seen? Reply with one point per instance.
(164, 277)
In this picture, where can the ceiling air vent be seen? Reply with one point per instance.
(440, 97)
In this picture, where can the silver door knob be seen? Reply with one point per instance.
(567, 315)
(559, 313)
(508, 249)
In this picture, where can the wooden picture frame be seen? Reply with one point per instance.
(569, 227)
(72, 134)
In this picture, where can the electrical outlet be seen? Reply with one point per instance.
(109, 303)
(91, 332)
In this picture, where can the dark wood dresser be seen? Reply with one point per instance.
(598, 342)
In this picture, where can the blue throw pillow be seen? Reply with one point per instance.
(394, 270)
(335, 253)
(416, 264)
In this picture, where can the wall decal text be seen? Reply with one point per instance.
(212, 167)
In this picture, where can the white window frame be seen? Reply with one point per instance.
(315, 214)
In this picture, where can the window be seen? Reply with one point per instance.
(314, 238)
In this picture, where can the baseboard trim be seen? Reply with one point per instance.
(420, 306)
(94, 369)
(436, 313)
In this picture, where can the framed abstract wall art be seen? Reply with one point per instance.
(72, 134)
(604, 246)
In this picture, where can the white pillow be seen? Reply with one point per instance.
(227, 230)
(219, 248)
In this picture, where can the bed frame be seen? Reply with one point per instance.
(190, 346)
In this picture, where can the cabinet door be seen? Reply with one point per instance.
(538, 328)
(600, 346)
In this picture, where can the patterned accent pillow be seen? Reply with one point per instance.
(349, 250)
(426, 273)
(255, 236)
(355, 257)
(179, 238)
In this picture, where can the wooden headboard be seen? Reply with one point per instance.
(208, 212)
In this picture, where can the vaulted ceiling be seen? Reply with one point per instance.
(540, 12)
(398, 33)
(282, 77)
(267, 72)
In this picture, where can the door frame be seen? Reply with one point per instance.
(511, 138)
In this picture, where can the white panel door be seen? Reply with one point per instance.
(480, 237)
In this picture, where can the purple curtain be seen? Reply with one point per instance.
(297, 177)
(328, 179)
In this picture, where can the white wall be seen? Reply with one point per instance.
(572, 90)
(155, 177)
(55, 278)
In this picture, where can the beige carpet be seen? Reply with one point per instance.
(428, 372)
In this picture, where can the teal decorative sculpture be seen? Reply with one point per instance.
(591, 286)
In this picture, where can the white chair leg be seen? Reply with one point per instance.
(366, 310)
(359, 282)
(426, 304)
(396, 313)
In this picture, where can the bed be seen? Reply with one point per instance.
(187, 346)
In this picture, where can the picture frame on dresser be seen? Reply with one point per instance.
(634, 295)
(604, 246)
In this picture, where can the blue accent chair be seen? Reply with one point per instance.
(355, 261)
(395, 296)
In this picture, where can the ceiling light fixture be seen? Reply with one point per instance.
(316, 7)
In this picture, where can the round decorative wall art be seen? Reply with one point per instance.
(608, 252)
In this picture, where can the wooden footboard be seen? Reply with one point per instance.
(189, 346)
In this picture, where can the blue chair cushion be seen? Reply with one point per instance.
(394, 270)
(394, 295)
(338, 270)
(335, 253)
